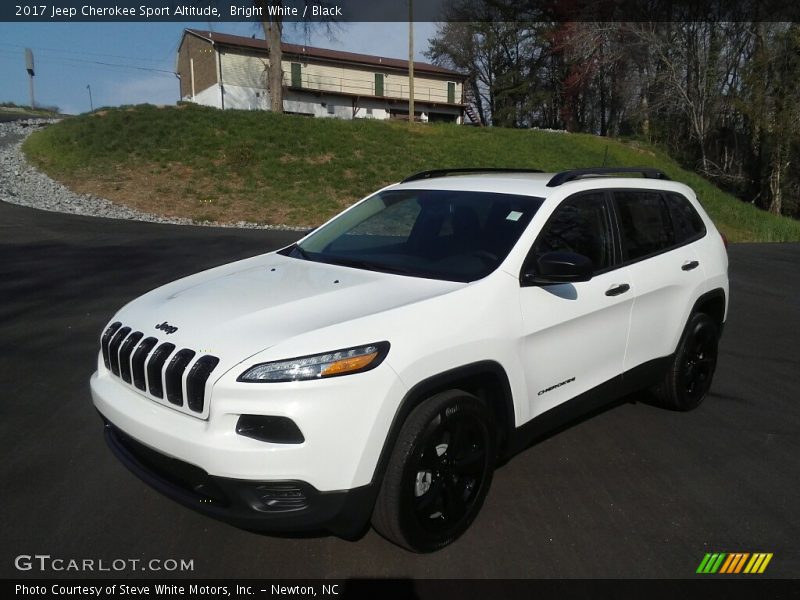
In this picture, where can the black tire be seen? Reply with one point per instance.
(689, 376)
(439, 472)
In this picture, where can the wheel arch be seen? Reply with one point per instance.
(485, 379)
(712, 303)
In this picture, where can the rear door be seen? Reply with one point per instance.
(665, 270)
(574, 334)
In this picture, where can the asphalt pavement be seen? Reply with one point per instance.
(635, 491)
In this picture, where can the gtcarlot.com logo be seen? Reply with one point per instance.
(45, 562)
(734, 563)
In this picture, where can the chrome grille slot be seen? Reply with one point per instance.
(174, 375)
(113, 348)
(154, 368)
(137, 364)
(196, 381)
(125, 352)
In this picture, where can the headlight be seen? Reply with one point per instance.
(319, 366)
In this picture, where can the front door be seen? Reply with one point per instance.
(575, 333)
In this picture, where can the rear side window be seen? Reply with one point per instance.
(688, 224)
(644, 222)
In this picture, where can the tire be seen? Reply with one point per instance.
(688, 379)
(439, 472)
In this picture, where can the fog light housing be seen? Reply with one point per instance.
(276, 430)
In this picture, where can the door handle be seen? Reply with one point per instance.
(689, 265)
(617, 289)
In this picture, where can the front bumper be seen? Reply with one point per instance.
(270, 506)
(344, 422)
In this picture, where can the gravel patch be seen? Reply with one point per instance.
(21, 183)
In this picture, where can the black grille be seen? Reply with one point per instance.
(107, 335)
(143, 364)
(154, 368)
(125, 352)
(174, 375)
(196, 381)
(190, 478)
(113, 349)
(139, 358)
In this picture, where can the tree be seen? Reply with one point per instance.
(693, 67)
(272, 24)
(770, 103)
(498, 44)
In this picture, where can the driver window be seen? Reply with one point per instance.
(581, 225)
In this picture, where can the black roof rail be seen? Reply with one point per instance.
(573, 174)
(445, 172)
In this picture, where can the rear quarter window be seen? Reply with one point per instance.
(687, 222)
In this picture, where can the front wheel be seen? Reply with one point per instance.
(689, 376)
(439, 472)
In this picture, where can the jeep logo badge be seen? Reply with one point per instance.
(167, 328)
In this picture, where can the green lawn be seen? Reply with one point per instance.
(237, 165)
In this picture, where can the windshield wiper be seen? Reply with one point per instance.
(303, 254)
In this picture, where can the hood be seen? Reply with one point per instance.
(237, 310)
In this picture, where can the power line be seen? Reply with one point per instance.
(68, 59)
(99, 54)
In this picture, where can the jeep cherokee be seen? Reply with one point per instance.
(378, 369)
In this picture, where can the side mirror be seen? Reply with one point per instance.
(557, 267)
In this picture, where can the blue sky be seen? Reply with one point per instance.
(131, 63)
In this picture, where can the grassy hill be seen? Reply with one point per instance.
(211, 165)
(10, 111)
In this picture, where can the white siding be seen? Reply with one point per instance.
(246, 98)
(244, 70)
(320, 106)
(361, 81)
(208, 97)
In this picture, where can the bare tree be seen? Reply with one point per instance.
(770, 102)
(272, 24)
(694, 65)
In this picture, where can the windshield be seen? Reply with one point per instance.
(440, 234)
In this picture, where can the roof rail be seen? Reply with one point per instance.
(445, 172)
(573, 174)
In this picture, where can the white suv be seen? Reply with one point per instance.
(379, 368)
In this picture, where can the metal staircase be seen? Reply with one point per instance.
(469, 106)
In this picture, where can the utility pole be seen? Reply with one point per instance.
(30, 69)
(410, 61)
(91, 103)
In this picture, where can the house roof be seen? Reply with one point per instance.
(324, 53)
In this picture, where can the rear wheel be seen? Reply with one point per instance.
(439, 472)
(689, 376)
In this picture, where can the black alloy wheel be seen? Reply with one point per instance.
(439, 472)
(691, 370)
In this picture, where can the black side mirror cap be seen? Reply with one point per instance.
(557, 267)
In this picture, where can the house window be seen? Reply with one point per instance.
(297, 80)
(379, 77)
(331, 108)
(369, 112)
(451, 92)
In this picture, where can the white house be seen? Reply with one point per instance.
(229, 71)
